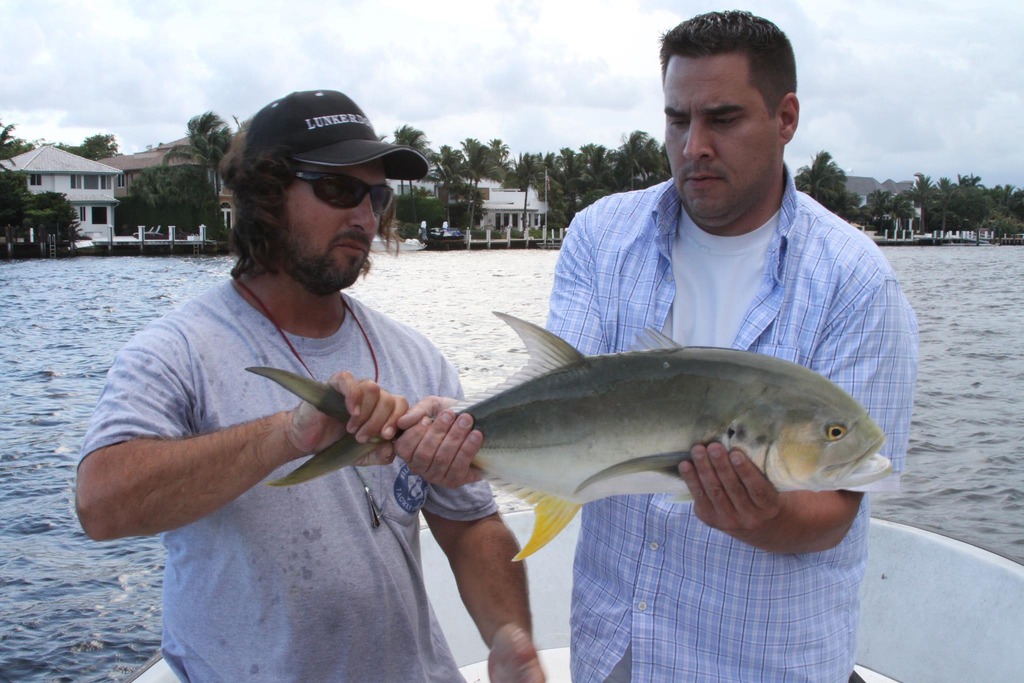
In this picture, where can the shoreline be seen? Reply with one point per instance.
(42, 250)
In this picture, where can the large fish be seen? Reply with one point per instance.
(568, 429)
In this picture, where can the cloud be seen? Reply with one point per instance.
(888, 89)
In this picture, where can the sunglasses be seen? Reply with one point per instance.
(346, 192)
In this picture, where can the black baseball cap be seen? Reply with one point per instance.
(326, 127)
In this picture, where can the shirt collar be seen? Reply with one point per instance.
(775, 259)
(665, 213)
(665, 216)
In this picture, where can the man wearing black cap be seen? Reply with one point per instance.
(320, 582)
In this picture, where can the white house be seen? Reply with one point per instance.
(88, 185)
(863, 186)
(502, 207)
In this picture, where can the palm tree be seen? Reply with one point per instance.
(6, 140)
(969, 180)
(1003, 195)
(412, 137)
(885, 207)
(878, 203)
(901, 208)
(447, 167)
(824, 181)
(639, 161)
(598, 176)
(208, 140)
(11, 146)
(1003, 201)
(527, 171)
(568, 175)
(658, 158)
(921, 193)
(945, 191)
(500, 154)
(481, 163)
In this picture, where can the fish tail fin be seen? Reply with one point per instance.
(323, 397)
(342, 453)
(550, 516)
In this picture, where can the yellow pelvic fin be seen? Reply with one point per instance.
(550, 516)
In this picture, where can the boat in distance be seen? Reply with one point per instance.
(380, 246)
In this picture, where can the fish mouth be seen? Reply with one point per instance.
(870, 469)
(864, 470)
(859, 472)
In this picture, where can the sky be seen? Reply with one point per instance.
(889, 88)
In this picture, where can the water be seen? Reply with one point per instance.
(75, 610)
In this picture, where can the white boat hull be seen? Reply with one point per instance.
(379, 246)
(933, 608)
(937, 609)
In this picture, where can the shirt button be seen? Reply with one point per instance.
(642, 605)
(654, 545)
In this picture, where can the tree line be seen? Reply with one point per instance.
(568, 180)
(944, 205)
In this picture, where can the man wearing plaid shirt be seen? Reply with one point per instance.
(745, 583)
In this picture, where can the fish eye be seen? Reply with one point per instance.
(835, 432)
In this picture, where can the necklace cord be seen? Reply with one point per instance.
(374, 509)
(348, 309)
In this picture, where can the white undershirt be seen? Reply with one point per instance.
(716, 280)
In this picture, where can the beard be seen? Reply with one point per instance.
(320, 274)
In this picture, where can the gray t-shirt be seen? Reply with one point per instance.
(288, 584)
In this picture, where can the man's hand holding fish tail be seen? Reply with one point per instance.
(372, 411)
(732, 495)
(149, 486)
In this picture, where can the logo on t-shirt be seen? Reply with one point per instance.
(410, 489)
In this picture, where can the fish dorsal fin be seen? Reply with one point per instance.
(652, 340)
(323, 397)
(546, 352)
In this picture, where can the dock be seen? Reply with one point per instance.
(489, 241)
(962, 238)
(62, 249)
(456, 245)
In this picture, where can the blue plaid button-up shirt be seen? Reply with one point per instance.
(695, 604)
